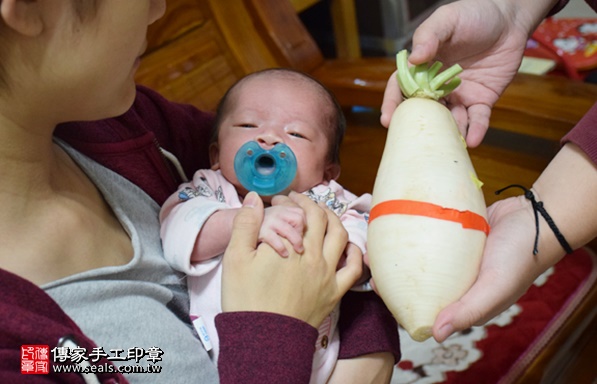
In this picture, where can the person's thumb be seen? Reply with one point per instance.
(430, 35)
(484, 300)
(246, 226)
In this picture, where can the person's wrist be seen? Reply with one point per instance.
(526, 14)
(550, 249)
(567, 188)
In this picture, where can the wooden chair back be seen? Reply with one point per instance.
(284, 34)
(189, 59)
(344, 25)
(201, 47)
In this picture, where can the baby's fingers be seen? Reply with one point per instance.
(348, 274)
(273, 240)
(294, 236)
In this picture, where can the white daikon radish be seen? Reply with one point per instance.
(428, 224)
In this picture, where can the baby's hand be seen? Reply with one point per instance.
(362, 283)
(286, 222)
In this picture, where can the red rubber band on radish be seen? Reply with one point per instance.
(468, 219)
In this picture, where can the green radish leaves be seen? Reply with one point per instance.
(426, 81)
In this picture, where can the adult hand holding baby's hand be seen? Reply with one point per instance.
(306, 287)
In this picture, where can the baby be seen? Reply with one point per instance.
(275, 106)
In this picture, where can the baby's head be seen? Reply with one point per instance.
(281, 106)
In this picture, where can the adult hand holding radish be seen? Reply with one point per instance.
(427, 227)
(487, 38)
(509, 265)
(459, 31)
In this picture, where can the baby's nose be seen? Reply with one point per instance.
(268, 140)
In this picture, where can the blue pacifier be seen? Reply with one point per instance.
(266, 172)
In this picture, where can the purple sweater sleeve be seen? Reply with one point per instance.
(366, 326)
(557, 7)
(257, 347)
(584, 134)
(562, 3)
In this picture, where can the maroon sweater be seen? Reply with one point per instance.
(28, 316)
(129, 146)
(562, 3)
(584, 134)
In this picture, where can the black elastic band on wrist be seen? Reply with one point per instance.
(538, 207)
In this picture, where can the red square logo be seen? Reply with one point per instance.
(35, 359)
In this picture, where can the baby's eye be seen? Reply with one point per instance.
(246, 125)
(295, 134)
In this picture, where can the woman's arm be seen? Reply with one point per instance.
(567, 189)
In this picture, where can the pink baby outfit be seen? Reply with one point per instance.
(184, 214)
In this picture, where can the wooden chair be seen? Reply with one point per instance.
(355, 81)
(201, 47)
(344, 23)
(205, 45)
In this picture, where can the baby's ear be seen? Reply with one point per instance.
(332, 172)
(23, 16)
(214, 156)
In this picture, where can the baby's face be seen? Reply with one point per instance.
(271, 111)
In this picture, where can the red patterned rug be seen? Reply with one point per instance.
(500, 351)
